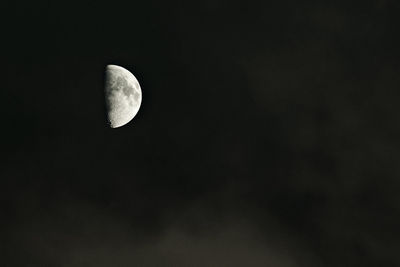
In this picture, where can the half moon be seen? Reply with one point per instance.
(122, 94)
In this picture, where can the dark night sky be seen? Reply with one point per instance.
(268, 134)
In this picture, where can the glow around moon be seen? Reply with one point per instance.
(122, 94)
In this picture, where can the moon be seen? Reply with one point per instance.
(122, 94)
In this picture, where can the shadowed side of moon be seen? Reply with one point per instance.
(122, 94)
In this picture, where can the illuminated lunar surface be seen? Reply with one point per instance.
(122, 94)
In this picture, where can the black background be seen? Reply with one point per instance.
(268, 134)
